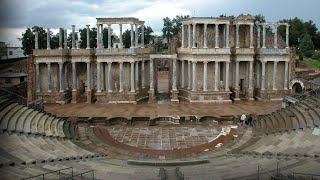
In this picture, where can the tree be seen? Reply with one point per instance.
(92, 35)
(126, 38)
(147, 34)
(28, 42)
(306, 45)
(69, 39)
(167, 29)
(177, 23)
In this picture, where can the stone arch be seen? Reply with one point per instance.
(297, 86)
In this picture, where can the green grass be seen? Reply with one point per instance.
(314, 63)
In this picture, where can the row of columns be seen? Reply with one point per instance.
(191, 75)
(274, 75)
(134, 36)
(192, 38)
(264, 26)
(238, 36)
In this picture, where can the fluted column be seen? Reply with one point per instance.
(109, 76)
(49, 76)
(287, 36)
(286, 72)
(74, 76)
(37, 77)
(216, 35)
(174, 74)
(250, 74)
(216, 71)
(73, 37)
(132, 37)
(137, 75)
(48, 39)
(194, 66)
(101, 36)
(60, 38)
(237, 75)
(263, 75)
(182, 74)
(136, 36)
(264, 36)
(194, 35)
(120, 36)
(98, 36)
(142, 36)
(237, 36)
(276, 36)
(227, 35)
(88, 76)
(132, 77)
(258, 36)
(36, 40)
(121, 76)
(99, 77)
(88, 36)
(189, 75)
(142, 75)
(227, 76)
(65, 39)
(109, 36)
(189, 36)
(251, 35)
(182, 36)
(205, 36)
(61, 77)
(274, 85)
(151, 75)
(205, 76)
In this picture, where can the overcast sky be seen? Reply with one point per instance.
(17, 15)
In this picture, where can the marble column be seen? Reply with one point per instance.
(174, 74)
(274, 75)
(194, 35)
(258, 36)
(227, 76)
(98, 36)
(142, 36)
(286, 72)
(151, 75)
(263, 75)
(99, 77)
(49, 76)
(189, 36)
(109, 36)
(109, 77)
(88, 36)
(205, 63)
(61, 77)
(121, 76)
(101, 36)
(216, 35)
(132, 37)
(182, 74)
(189, 75)
(137, 75)
(276, 36)
(136, 36)
(251, 35)
(182, 36)
(48, 39)
(237, 36)
(194, 66)
(216, 71)
(237, 76)
(250, 74)
(205, 36)
(120, 36)
(36, 40)
(227, 35)
(88, 77)
(73, 37)
(60, 38)
(37, 78)
(74, 77)
(132, 77)
(263, 36)
(65, 39)
(142, 75)
(287, 36)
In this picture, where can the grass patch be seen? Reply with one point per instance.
(314, 63)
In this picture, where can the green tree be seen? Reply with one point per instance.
(28, 42)
(306, 45)
(92, 40)
(69, 39)
(147, 34)
(176, 28)
(126, 38)
(167, 29)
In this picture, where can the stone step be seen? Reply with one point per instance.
(12, 125)
(22, 119)
(28, 122)
(8, 117)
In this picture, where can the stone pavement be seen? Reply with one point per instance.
(154, 110)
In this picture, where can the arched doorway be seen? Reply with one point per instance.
(297, 86)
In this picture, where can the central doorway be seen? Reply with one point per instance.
(163, 81)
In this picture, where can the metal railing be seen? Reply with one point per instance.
(51, 172)
(80, 175)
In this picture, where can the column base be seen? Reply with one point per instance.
(152, 97)
(74, 96)
(89, 96)
(174, 96)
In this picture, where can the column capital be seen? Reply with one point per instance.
(88, 25)
(48, 63)
(205, 62)
(109, 62)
